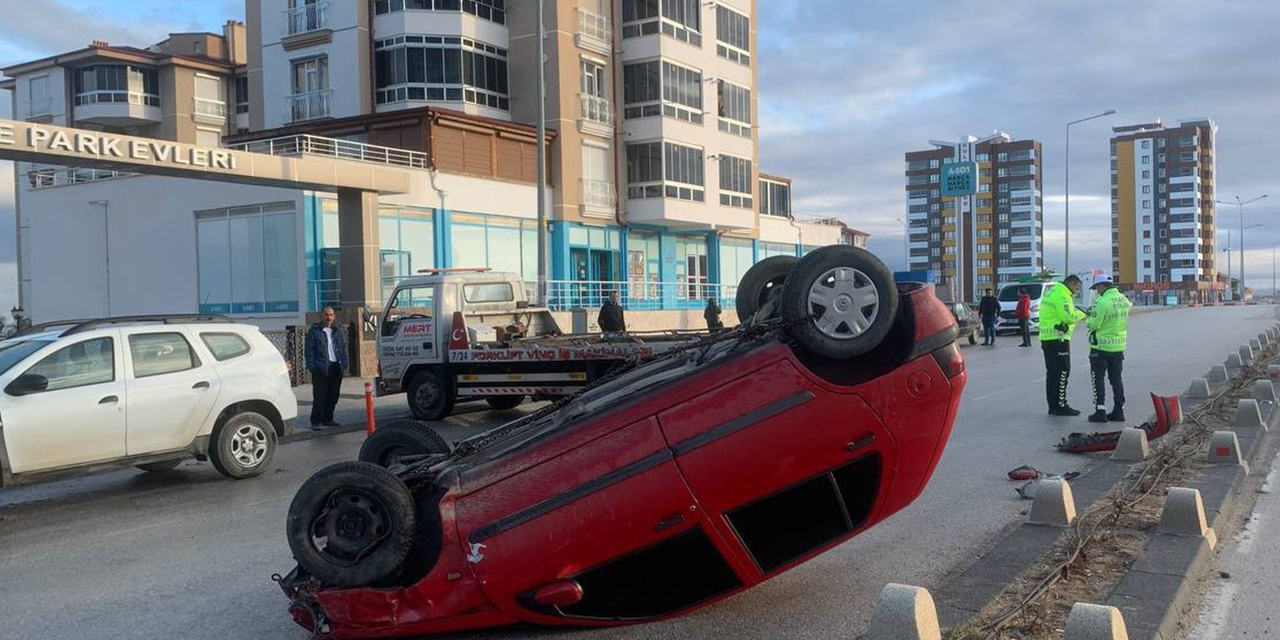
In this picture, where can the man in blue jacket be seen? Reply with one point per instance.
(326, 352)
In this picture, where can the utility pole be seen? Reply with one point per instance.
(542, 157)
(1240, 203)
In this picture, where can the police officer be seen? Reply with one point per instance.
(1058, 318)
(1108, 332)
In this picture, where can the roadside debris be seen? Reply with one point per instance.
(1168, 413)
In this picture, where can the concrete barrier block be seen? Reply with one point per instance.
(1224, 448)
(1273, 371)
(1183, 515)
(1054, 504)
(1249, 414)
(1217, 374)
(1264, 392)
(1246, 353)
(904, 613)
(1234, 361)
(1264, 338)
(1199, 390)
(1132, 446)
(1095, 622)
(1256, 346)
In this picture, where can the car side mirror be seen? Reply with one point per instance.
(26, 384)
(522, 304)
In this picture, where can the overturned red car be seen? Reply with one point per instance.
(663, 488)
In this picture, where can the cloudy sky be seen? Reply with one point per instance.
(848, 85)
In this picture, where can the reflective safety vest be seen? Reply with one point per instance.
(1109, 324)
(1057, 309)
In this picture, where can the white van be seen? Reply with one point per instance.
(1008, 298)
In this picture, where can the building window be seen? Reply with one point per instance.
(1146, 144)
(733, 35)
(679, 19)
(1146, 159)
(441, 69)
(492, 10)
(1146, 188)
(310, 97)
(735, 178)
(661, 88)
(735, 109)
(1146, 174)
(1146, 248)
(211, 138)
(210, 100)
(597, 186)
(1160, 142)
(502, 243)
(38, 100)
(665, 170)
(933, 177)
(247, 259)
(118, 84)
(242, 94)
(1146, 204)
(775, 198)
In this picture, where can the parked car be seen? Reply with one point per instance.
(691, 476)
(967, 320)
(148, 391)
(1008, 298)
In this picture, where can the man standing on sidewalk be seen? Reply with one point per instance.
(989, 310)
(1058, 318)
(326, 353)
(1108, 333)
(1023, 314)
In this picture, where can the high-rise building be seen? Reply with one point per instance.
(1162, 211)
(992, 236)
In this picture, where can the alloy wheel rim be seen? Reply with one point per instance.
(844, 303)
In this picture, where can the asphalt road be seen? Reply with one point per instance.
(188, 554)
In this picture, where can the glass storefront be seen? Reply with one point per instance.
(247, 259)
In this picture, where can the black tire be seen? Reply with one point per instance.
(351, 524)
(161, 467)
(400, 438)
(430, 397)
(973, 337)
(243, 446)
(763, 282)
(862, 297)
(504, 403)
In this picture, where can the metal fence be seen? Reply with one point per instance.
(289, 342)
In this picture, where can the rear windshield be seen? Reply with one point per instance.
(1011, 293)
(14, 351)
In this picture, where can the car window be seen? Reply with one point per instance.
(225, 346)
(493, 292)
(78, 365)
(1011, 294)
(14, 351)
(156, 354)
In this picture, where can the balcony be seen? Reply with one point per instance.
(597, 115)
(118, 108)
(594, 32)
(300, 145)
(213, 111)
(599, 198)
(311, 105)
(305, 26)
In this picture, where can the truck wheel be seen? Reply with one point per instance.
(430, 398)
(763, 282)
(401, 438)
(351, 524)
(161, 467)
(840, 302)
(504, 403)
(243, 446)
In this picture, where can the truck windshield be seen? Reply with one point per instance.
(1011, 293)
(413, 301)
(14, 351)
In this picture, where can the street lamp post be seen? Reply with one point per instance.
(1066, 250)
(1241, 203)
(906, 252)
(1273, 271)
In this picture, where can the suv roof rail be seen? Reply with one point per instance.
(169, 318)
(45, 326)
(455, 270)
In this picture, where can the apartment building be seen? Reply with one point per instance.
(653, 173)
(983, 238)
(1162, 209)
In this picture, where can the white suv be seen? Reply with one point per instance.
(150, 391)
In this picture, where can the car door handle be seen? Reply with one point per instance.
(109, 400)
(200, 385)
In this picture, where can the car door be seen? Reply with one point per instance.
(79, 418)
(410, 333)
(170, 389)
(612, 515)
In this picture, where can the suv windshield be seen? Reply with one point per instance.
(1011, 293)
(14, 351)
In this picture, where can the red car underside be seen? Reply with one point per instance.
(682, 494)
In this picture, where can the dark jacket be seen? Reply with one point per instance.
(611, 318)
(316, 349)
(989, 307)
(712, 315)
(1023, 312)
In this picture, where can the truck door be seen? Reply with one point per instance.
(411, 333)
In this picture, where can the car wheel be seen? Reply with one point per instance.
(429, 397)
(763, 282)
(504, 403)
(161, 467)
(840, 302)
(389, 444)
(973, 337)
(243, 446)
(351, 524)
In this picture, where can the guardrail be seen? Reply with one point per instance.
(306, 18)
(316, 145)
(211, 108)
(310, 105)
(61, 177)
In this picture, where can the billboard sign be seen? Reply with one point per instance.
(959, 178)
